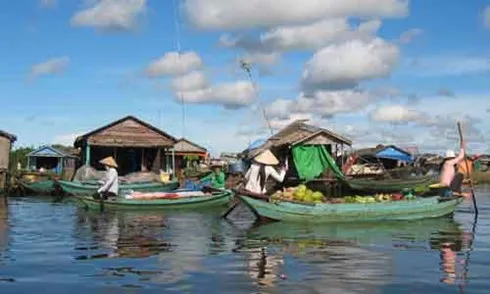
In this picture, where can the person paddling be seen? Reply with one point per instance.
(450, 177)
(110, 185)
(261, 169)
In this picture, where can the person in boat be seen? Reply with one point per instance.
(110, 184)
(216, 177)
(450, 176)
(261, 169)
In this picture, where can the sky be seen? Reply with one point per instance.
(376, 71)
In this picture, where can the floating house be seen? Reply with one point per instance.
(6, 141)
(378, 160)
(57, 160)
(314, 144)
(136, 145)
(187, 153)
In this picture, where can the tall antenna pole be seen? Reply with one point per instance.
(178, 47)
(248, 69)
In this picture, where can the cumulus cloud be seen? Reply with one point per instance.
(345, 65)
(192, 81)
(304, 37)
(235, 14)
(396, 114)
(408, 36)
(486, 17)
(65, 139)
(110, 14)
(52, 66)
(324, 104)
(173, 64)
(231, 95)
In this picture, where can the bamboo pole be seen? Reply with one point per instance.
(475, 207)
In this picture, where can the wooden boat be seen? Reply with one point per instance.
(38, 187)
(216, 198)
(290, 211)
(77, 188)
(388, 185)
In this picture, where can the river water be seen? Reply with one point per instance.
(61, 248)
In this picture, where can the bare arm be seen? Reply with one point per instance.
(278, 176)
(458, 158)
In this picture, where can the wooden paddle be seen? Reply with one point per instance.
(475, 207)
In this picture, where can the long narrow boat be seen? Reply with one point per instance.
(388, 185)
(77, 188)
(218, 198)
(38, 187)
(419, 208)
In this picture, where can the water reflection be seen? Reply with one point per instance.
(4, 226)
(352, 258)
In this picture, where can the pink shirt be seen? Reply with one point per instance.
(447, 173)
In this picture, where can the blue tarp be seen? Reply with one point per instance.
(256, 144)
(395, 154)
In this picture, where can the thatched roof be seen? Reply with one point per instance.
(11, 137)
(128, 131)
(184, 145)
(299, 132)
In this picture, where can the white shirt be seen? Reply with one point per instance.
(111, 182)
(253, 178)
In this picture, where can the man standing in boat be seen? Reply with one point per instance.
(110, 185)
(261, 169)
(450, 177)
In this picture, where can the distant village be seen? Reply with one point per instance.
(140, 147)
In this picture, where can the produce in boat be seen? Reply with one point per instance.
(300, 193)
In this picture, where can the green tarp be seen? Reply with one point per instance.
(312, 160)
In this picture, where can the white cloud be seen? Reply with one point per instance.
(407, 36)
(65, 139)
(267, 58)
(230, 95)
(192, 81)
(51, 66)
(48, 3)
(111, 14)
(486, 17)
(345, 65)
(173, 63)
(304, 37)
(234, 14)
(396, 114)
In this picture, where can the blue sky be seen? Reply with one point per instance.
(391, 71)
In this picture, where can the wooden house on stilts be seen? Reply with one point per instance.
(136, 145)
(6, 141)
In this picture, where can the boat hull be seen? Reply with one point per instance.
(120, 203)
(81, 189)
(388, 185)
(38, 187)
(420, 208)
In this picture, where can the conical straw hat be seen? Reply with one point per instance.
(267, 157)
(109, 161)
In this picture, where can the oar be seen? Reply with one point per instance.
(234, 204)
(468, 171)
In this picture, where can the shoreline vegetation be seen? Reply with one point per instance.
(480, 177)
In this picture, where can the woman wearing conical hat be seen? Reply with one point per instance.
(261, 169)
(110, 186)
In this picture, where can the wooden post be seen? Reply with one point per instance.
(143, 159)
(87, 154)
(28, 163)
(167, 159)
(173, 160)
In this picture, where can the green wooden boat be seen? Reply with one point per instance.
(77, 188)
(419, 208)
(216, 199)
(388, 185)
(38, 187)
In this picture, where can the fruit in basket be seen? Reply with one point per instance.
(317, 196)
(397, 197)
